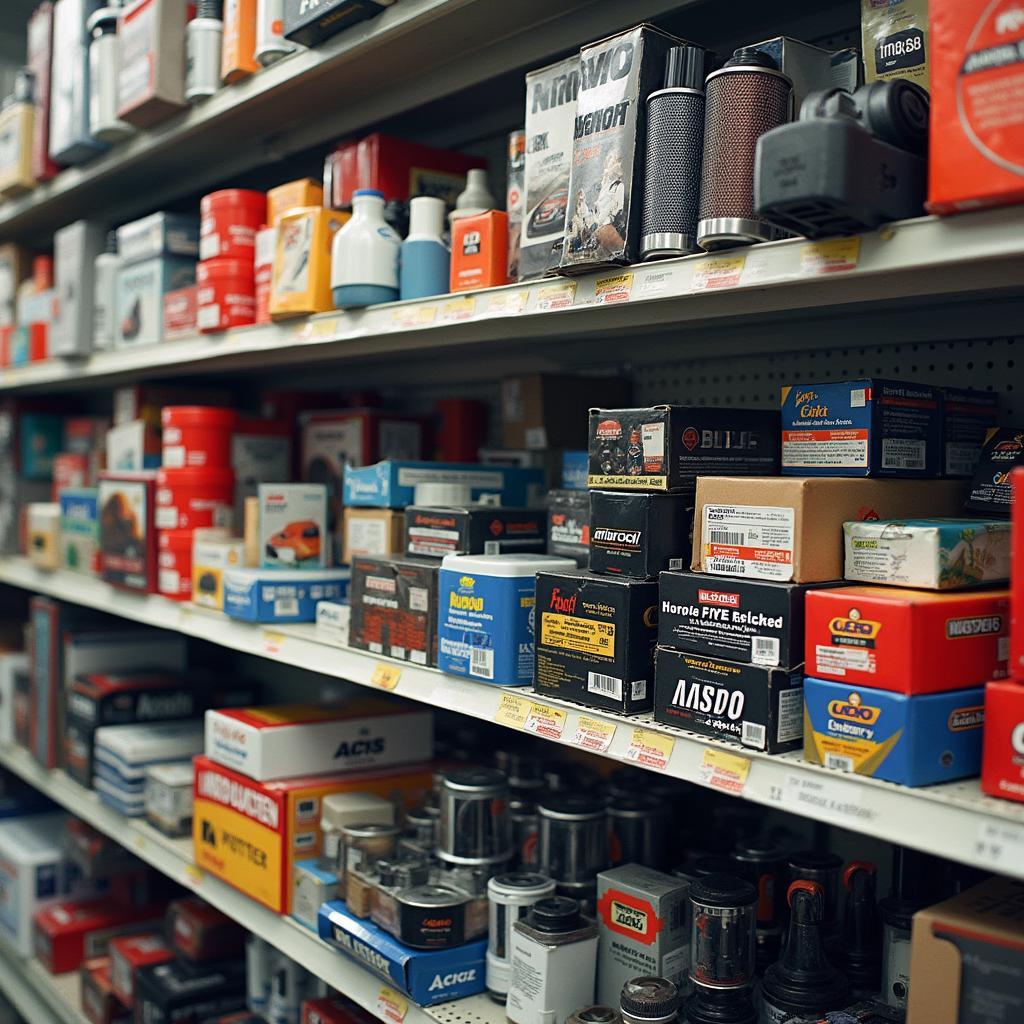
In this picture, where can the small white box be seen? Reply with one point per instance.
(332, 620)
(167, 795)
(75, 248)
(293, 525)
(141, 288)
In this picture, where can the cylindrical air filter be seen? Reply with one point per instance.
(724, 909)
(474, 829)
(675, 142)
(638, 831)
(573, 841)
(510, 896)
(746, 98)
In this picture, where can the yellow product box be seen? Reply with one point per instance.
(251, 834)
(44, 534)
(212, 553)
(304, 192)
(301, 280)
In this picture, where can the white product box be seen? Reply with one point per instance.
(70, 140)
(126, 447)
(293, 525)
(171, 234)
(141, 288)
(75, 248)
(293, 740)
(13, 666)
(332, 620)
(124, 752)
(167, 795)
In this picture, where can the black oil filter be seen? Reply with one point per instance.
(474, 829)
(724, 915)
(638, 831)
(861, 951)
(764, 865)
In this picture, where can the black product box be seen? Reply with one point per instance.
(477, 530)
(759, 622)
(638, 535)
(604, 213)
(666, 447)
(967, 417)
(312, 21)
(179, 991)
(569, 525)
(991, 491)
(394, 608)
(757, 707)
(595, 639)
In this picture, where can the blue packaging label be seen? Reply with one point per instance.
(575, 467)
(392, 484)
(78, 511)
(265, 599)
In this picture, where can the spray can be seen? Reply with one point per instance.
(271, 44)
(203, 38)
(510, 896)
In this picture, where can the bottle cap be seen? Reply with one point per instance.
(555, 914)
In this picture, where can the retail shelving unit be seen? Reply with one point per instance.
(35, 993)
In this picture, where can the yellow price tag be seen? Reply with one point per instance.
(718, 272)
(556, 296)
(458, 309)
(513, 710)
(507, 303)
(650, 749)
(545, 721)
(193, 875)
(721, 770)
(391, 1006)
(386, 676)
(593, 734)
(830, 257)
(322, 328)
(272, 642)
(413, 316)
(614, 288)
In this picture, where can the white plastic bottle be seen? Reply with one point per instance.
(104, 303)
(426, 259)
(364, 255)
(203, 38)
(476, 197)
(104, 60)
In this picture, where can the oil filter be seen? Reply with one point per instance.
(474, 829)
(649, 1001)
(523, 818)
(420, 830)
(510, 896)
(638, 831)
(724, 915)
(594, 1015)
(572, 841)
(746, 98)
(861, 951)
(764, 864)
(432, 917)
(824, 869)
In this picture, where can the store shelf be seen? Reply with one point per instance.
(173, 858)
(39, 996)
(948, 265)
(955, 818)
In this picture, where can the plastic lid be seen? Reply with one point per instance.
(555, 914)
(198, 416)
(441, 494)
(519, 884)
(724, 891)
(571, 806)
(649, 997)
(759, 851)
(750, 57)
(376, 193)
(815, 860)
(514, 565)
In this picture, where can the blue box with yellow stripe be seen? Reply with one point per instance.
(916, 741)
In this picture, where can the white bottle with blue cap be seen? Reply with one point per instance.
(364, 255)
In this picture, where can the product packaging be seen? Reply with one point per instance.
(665, 448)
(372, 532)
(229, 220)
(71, 470)
(128, 551)
(14, 677)
(908, 641)
(392, 484)
(427, 977)
(281, 595)
(263, 268)
(200, 933)
(313, 883)
(301, 282)
(479, 251)
(486, 615)
(43, 532)
(17, 125)
(595, 641)
(333, 1010)
(791, 528)
(643, 920)
(129, 954)
(811, 68)
(310, 25)
(39, 437)
(250, 834)
(638, 535)
(975, 150)
(75, 248)
(213, 554)
(617, 75)
(575, 466)
(862, 428)
(261, 453)
(394, 608)
(1017, 578)
(279, 742)
(569, 525)
(303, 192)
(473, 530)
(133, 446)
(915, 741)
(936, 554)
(167, 795)
(1002, 769)
(991, 493)
(196, 437)
(238, 43)
(332, 621)
(70, 139)
(894, 40)
(183, 991)
(151, 78)
(39, 60)
(194, 498)
(225, 295)
(967, 417)
(293, 525)
(100, 1003)
(159, 234)
(141, 289)
(146, 401)
(514, 198)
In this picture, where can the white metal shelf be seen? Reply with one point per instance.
(955, 818)
(39, 996)
(925, 262)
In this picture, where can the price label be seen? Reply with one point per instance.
(722, 770)
(413, 316)
(832, 799)
(510, 303)
(513, 710)
(650, 749)
(318, 329)
(193, 876)
(386, 676)
(391, 1006)
(545, 721)
(556, 296)
(658, 282)
(615, 288)
(1000, 845)
(455, 310)
(718, 272)
(139, 842)
(593, 734)
(831, 257)
(272, 642)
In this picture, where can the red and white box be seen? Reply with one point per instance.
(71, 470)
(196, 436)
(1002, 758)
(200, 932)
(128, 953)
(100, 1003)
(333, 1010)
(227, 294)
(181, 308)
(128, 550)
(1017, 577)
(191, 499)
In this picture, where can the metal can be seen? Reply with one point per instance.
(638, 831)
(431, 917)
(271, 44)
(510, 896)
(573, 841)
(474, 828)
(723, 934)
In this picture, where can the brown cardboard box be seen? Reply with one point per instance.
(967, 957)
(372, 532)
(791, 528)
(540, 410)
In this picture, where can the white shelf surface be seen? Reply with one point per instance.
(39, 996)
(925, 262)
(954, 818)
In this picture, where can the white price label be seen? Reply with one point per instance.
(593, 734)
(1000, 845)
(835, 800)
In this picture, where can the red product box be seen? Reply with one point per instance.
(1017, 576)
(128, 544)
(907, 641)
(403, 169)
(67, 933)
(100, 1002)
(70, 470)
(200, 932)
(39, 59)
(1002, 756)
(332, 1010)
(181, 312)
(976, 151)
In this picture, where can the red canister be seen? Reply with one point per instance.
(197, 436)
(174, 564)
(187, 499)
(227, 294)
(229, 220)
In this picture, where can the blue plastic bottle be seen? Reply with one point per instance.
(425, 261)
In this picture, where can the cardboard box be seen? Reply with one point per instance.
(43, 520)
(991, 493)
(312, 25)
(39, 60)
(293, 525)
(14, 676)
(894, 41)
(314, 882)
(595, 640)
(133, 446)
(427, 977)
(182, 991)
(372, 532)
(151, 76)
(791, 528)
(201, 933)
(475, 530)
(181, 313)
(638, 535)
(167, 796)
(75, 248)
(211, 558)
(333, 1010)
(575, 465)
(100, 1003)
(301, 279)
(238, 44)
(936, 554)
(967, 417)
(540, 411)
(864, 427)
(159, 234)
(908, 641)
(915, 741)
(332, 621)
(392, 484)
(141, 289)
(250, 834)
(643, 920)
(569, 525)
(479, 251)
(70, 139)
(281, 595)
(39, 438)
(666, 447)
(261, 453)
(1017, 577)
(751, 705)
(302, 192)
(129, 954)
(128, 550)
(1002, 767)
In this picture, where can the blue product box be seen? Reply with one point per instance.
(967, 417)
(40, 437)
(426, 976)
(392, 484)
(276, 595)
(141, 288)
(575, 467)
(864, 427)
(916, 741)
(79, 529)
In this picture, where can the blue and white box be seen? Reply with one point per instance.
(141, 288)
(575, 467)
(79, 529)
(392, 484)
(280, 595)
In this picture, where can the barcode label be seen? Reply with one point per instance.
(732, 537)
(398, 652)
(753, 735)
(764, 650)
(481, 662)
(286, 606)
(838, 762)
(608, 686)
(901, 453)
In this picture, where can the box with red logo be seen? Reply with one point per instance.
(333, 1010)
(251, 833)
(1002, 765)
(130, 953)
(1017, 576)
(401, 169)
(200, 932)
(1003, 451)
(128, 547)
(100, 1003)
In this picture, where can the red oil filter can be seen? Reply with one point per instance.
(197, 436)
(227, 294)
(229, 220)
(174, 564)
(188, 499)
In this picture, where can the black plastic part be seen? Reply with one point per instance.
(707, 1006)
(685, 67)
(750, 56)
(555, 914)
(649, 998)
(722, 890)
(862, 932)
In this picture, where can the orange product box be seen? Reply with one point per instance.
(976, 148)
(907, 641)
(250, 834)
(238, 43)
(480, 251)
(303, 192)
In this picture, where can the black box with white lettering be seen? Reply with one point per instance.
(638, 535)
(757, 707)
(594, 640)
(569, 525)
(473, 530)
(183, 991)
(760, 622)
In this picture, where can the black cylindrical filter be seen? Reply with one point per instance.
(746, 98)
(522, 817)
(649, 1000)
(861, 950)
(638, 831)
(724, 916)
(525, 771)
(474, 829)
(675, 142)
(572, 841)
(725, 1006)
(824, 869)
(764, 865)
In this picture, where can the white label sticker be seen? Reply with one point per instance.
(748, 540)
(837, 661)
(902, 453)
(208, 317)
(830, 799)
(604, 685)
(1000, 845)
(173, 455)
(166, 517)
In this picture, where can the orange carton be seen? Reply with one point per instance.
(239, 41)
(480, 251)
(304, 192)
